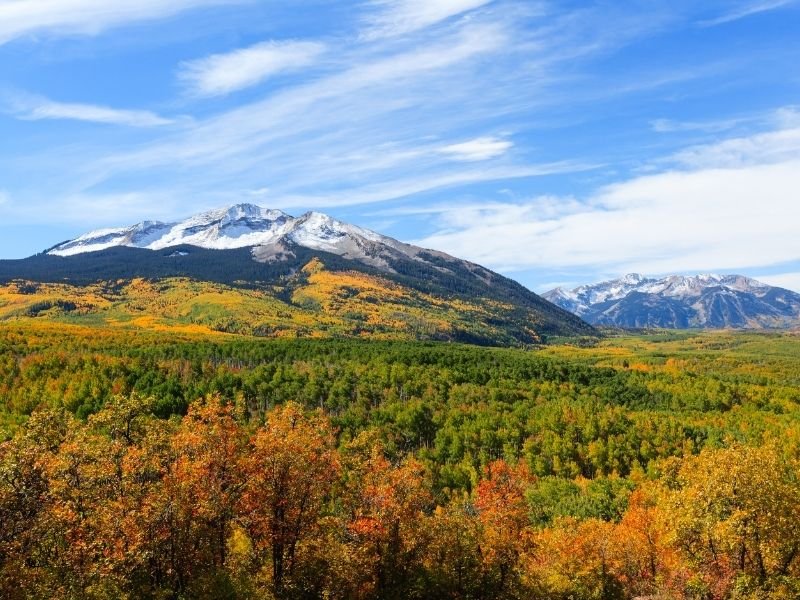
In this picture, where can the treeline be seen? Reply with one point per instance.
(219, 504)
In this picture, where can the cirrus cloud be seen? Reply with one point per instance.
(21, 18)
(746, 9)
(482, 148)
(221, 74)
(30, 107)
(399, 17)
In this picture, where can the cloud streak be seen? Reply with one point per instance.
(746, 10)
(36, 108)
(403, 187)
(221, 74)
(31, 107)
(21, 18)
(671, 126)
(392, 18)
(478, 149)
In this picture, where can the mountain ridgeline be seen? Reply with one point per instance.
(681, 302)
(246, 269)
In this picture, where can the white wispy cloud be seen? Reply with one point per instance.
(221, 74)
(482, 148)
(789, 281)
(391, 18)
(714, 126)
(21, 18)
(782, 118)
(761, 148)
(36, 108)
(332, 120)
(723, 215)
(747, 9)
(464, 215)
(403, 187)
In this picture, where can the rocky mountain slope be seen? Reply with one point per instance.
(678, 301)
(245, 269)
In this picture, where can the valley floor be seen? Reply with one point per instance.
(151, 464)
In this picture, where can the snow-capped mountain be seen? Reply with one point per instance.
(680, 301)
(253, 248)
(270, 233)
(237, 226)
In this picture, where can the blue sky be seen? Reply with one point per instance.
(557, 142)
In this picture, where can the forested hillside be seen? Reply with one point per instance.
(147, 465)
(313, 295)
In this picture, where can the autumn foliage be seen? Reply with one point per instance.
(218, 505)
(658, 467)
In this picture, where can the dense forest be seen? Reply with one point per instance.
(155, 465)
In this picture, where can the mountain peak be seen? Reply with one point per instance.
(632, 278)
(269, 232)
(314, 220)
(235, 226)
(237, 212)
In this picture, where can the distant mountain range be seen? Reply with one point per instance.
(677, 301)
(247, 269)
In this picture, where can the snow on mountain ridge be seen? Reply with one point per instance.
(679, 301)
(237, 226)
(614, 289)
(267, 231)
(670, 286)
